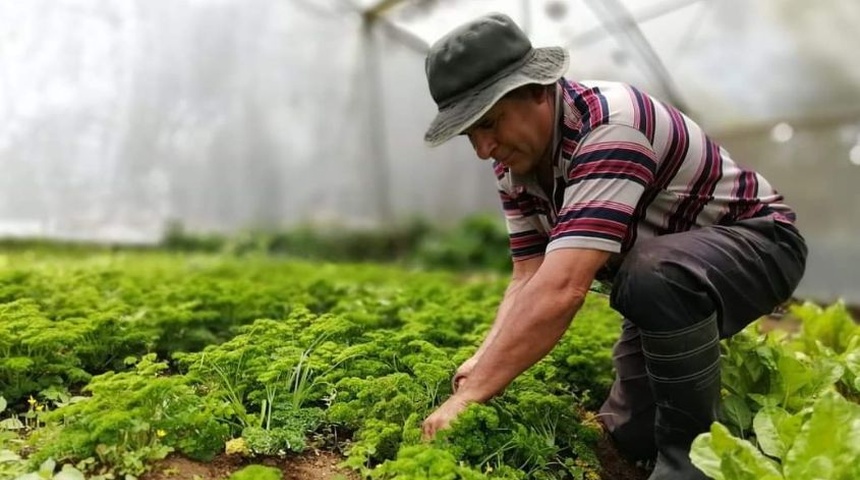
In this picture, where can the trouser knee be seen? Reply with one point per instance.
(659, 293)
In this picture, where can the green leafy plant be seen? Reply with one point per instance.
(11, 463)
(279, 355)
(790, 402)
(256, 472)
(131, 419)
(820, 442)
(47, 469)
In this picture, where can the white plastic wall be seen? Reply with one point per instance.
(119, 116)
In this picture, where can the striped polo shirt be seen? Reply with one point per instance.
(627, 166)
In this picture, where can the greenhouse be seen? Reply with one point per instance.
(228, 252)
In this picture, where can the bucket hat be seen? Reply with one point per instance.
(472, 67)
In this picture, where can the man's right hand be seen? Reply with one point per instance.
(463, 372)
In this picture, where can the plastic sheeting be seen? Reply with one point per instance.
(729, 63)
(118, 117)
(121, 116)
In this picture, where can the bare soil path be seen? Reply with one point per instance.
(324, 466)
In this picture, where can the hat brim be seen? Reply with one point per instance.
(546, 66)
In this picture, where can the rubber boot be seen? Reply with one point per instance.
(628, 413)
(684, 369)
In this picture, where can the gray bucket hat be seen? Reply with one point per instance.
(472, 67)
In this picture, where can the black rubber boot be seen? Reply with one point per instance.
(628, 413)
(684, 369)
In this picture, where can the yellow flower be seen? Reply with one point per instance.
(160, 433)
(31, 401)
(39, 408)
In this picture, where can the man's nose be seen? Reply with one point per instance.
(484, 144)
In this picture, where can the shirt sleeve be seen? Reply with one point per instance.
(526, 240)
(611, 168)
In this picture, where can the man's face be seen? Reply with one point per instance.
(516, 132)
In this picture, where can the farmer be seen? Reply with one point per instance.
(598, 180)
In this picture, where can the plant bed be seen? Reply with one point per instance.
(177, 356)
(322, 465)
(315, 465)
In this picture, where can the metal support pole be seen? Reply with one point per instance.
(526, 22)
(378, 164)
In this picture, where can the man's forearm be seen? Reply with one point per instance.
(537, 314)
(530, 321)
(502, 314)
(531, 330)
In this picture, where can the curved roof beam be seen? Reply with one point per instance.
(619, 22)
(655, 11)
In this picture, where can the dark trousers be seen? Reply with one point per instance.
(670, 282)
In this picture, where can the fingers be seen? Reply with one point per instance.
(427, 431)
(442, 417)
(430, 427)
(438, 420)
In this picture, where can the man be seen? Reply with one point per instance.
(599, 180)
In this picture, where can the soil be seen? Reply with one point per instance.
(308, 466)
(321, 465)
(615, 466)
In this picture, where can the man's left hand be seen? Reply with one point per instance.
(444, 415)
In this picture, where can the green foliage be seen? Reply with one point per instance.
(11, 463)
(284, 355)
(831, 333)
(479, 241)
(274, 441)
(47, 469)
(177, 239)
(425, 462)
(35, 351)
(790, 371)
(284, 432)
(582, 361)
(64, 320)
(256, 472)
(763, 371)
(823, 441)
(277, 353)
(828, 444)
(794, 397)
(826, 330)
(335, 243)
(725, 457)
(132, 418)
(478, 435)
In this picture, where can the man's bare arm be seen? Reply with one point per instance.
(537, 317)
(523, 271)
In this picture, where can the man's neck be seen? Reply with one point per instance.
(545, 173)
